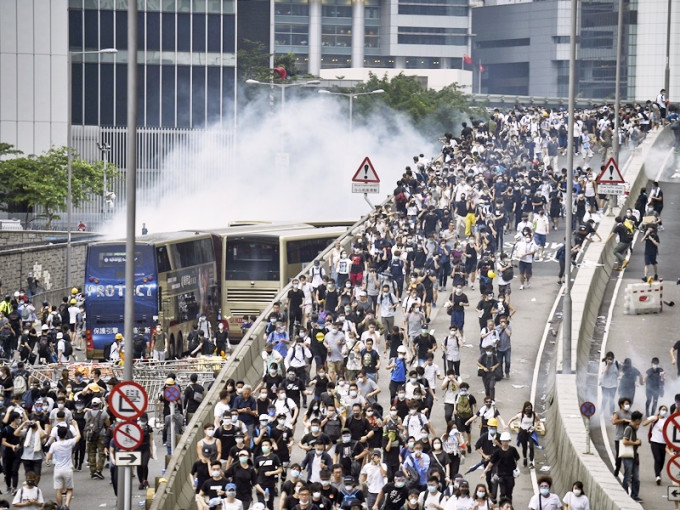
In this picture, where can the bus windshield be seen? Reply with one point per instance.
(251, 258)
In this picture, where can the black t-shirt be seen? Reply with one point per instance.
(486, 306)
(625, 235)
(272, 383)
(293, 389)
(295, 296)
(423, 344)
(359, 428)
(394, 497)
(227, 438)
(309, 438)
(346, 453)
(331, 493)
(505, 460)
(458, 300)
(199, 470)
(369, 361)
(211, 486)
(264, 464)
(244, 478)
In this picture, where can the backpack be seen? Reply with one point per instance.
(94, 426)
(508, 273)
(197, 394)
(107, 351)
(400, 198)
(463, 406)
(20, 385)
(26, 313)
(139, 343)
(332, 429)
(56, 320)
(69, 434)
(68, 349)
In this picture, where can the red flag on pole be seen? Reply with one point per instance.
(467, 59)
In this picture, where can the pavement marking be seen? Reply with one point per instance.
(537, 368)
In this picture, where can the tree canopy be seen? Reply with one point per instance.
(41, 181)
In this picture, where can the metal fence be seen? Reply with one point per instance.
(163, 154)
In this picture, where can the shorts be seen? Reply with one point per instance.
(336, 367)
(525, 268)
(356, 278)
(458, 319)
(650, 260)
(505, 289)
(63, 479)
(540, 239)
(460, 423)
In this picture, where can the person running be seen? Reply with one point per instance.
(62, 453)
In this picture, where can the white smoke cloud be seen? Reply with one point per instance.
(218, 187)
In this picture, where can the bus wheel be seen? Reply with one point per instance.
(179, 348)
(171, 347)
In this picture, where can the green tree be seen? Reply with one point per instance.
(253, 61)
(42, 181)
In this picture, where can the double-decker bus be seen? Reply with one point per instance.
(256, 265)
(176, 282)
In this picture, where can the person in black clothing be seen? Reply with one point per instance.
(422, 344)
(318, 499)
(504, 462)
(193, 396)
(226, 435)
(11, 459)
(392, 443)
(349, 453)
(394, 494)
(486, 446)
(244, 476)
(214, 486)
(79, 450)
(295, 301)
(268, 467)
(305, 500)
(222, 339)
(295, 387)
(625, 233)
(145, 449)
(328, 490)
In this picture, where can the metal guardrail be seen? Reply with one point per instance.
(176, 493)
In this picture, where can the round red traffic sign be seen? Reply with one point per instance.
(128, 435)
(673, 468)
(128, 400)
(171, 393)
(671, 431)
(587, 409)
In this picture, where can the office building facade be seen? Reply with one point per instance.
(405, 34)
(525, 48)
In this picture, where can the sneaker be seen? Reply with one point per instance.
(469, 448)
(644, 279)
(521, 287)
(141, 487)
(617, 268)
(638, 499)
(531, 465)
(656, 277)
(658, 480)
(528, 285)
(146, 484)
(98, 474)
(625, 263)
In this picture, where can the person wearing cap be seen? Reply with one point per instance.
(374, 475)
(73, 312)
(116, 348)
(229, 502)
(503, 465)
(213, 489)
(96, 424)
(244, 476)
(316, 460)
(61, 451)
(270, 357)
(350, 494)
(394, 493)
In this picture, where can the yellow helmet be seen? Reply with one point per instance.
(74, 290)
(491, 274)
(492, 422)
(119, 336)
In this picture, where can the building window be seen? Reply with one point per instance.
(502, 43)
(106, 95)
(168, 96)
(228, 33)
(561, 39)
(198, 32)
(214, 32)
(183, 32)
(198, 97)
(168, 31)
(153, 32)
(153, 95)
(75, 29)
(183, 97)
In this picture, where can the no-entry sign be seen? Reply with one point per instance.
(128, 435)
(671, 431)
(128, 400)
(673, 468)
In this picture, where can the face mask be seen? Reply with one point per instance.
(489, 353)
(143, 423)
(360, 380)
(216, 473)
(282, 396)
(243, 459)
(481, 494)
(296, 286)
(402, 396)
(413, 411)
(412, 380)
(210, 432)
(662, 413)
(399, 484)
(353, 393)
(545, 491)
(69, 390)
(432, 489)
(231, 494)
(325, 483)
(418, 453)
(316, 495)
(239, 391)
(437, 446)
(401, 355)
(265, 449)
(30, 482)
(346, 439)
(413, 501)
(38, 409)
(294, 473)
(655, 366)
(322, 374)
(369, 413)
(393, 414)
(463, 392)
(423, 435)
(315, 429)
(348, 488)
(239, 440)
(80, 407)
(577, 492)
(626, 407)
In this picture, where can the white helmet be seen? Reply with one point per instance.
(505, 436)
(401, 349)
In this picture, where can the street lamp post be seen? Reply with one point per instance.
(69, 156)
(351, 96)
(104, 148)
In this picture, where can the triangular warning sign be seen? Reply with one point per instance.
(366, 172)
(610, 174)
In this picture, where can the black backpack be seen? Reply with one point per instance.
(68, 349)
(107, 351)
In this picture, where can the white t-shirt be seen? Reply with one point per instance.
(431, 373)
(374, 478)
(236, 505)
(27, 493)
(576, 503)
(541, 224)
(552, 502)
(61, 453)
